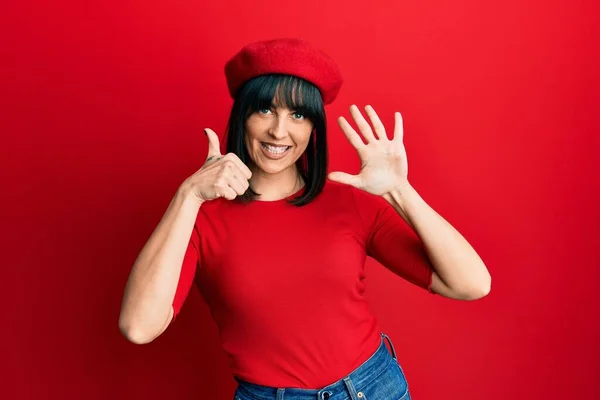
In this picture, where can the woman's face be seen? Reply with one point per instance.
(276, 138)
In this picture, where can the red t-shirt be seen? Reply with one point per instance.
(285, 284)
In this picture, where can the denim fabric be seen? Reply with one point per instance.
(378, 378)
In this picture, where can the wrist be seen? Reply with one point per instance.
(186, 192)
(399, 192)
(400, 198)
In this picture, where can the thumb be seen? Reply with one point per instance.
(342, 177)
(214, 148)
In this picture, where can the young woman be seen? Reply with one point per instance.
(277, 246)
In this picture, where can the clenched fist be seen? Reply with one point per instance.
(220, 176)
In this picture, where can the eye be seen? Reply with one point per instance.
(298, 115)
(264, 110)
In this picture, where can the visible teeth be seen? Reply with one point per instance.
(275, 149)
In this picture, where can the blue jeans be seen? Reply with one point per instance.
(379, 378)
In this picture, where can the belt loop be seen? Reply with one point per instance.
(391, 345)
(350, 387)
(280, 393)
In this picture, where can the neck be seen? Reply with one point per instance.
(276, 186)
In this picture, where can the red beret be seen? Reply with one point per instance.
(284, 56)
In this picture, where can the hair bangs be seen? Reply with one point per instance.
(286, 91)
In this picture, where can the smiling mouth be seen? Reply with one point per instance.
(275, 149)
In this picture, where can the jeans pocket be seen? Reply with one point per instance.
(390, 385)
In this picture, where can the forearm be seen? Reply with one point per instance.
(155, 274)
(455, 261)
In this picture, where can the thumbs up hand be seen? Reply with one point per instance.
(220, 176)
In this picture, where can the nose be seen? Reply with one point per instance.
(278, 129)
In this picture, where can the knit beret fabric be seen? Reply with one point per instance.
(290, 56)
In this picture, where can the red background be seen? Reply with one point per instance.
(102, 108)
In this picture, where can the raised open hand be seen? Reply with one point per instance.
(384, 164)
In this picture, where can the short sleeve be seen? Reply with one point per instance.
(392, 242)
(191, 260)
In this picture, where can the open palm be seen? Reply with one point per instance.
(384, 165)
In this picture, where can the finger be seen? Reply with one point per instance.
(232, 176)
(398, 128)
(342, 177)
(213, 159)
(222, 187)
(245, 184)
(227, 192)
(244, 170)
(362, 123)
(238, 183)
(376, 122)
(351, 134)
(214, 148)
